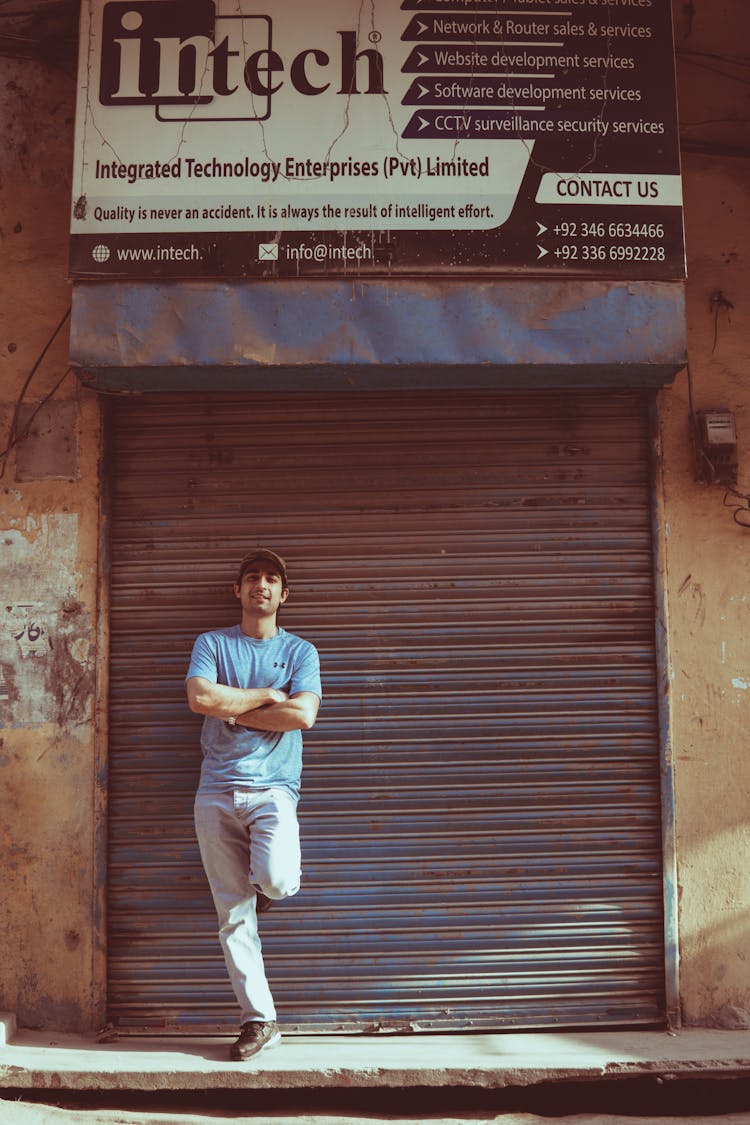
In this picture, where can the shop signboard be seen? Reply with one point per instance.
(282, 138)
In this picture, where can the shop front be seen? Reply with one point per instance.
(483, 804)
(460, 467)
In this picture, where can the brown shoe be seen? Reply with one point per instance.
(262, 902)
(253, 1038)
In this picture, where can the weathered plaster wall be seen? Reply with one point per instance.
(708, 563)
(49, 540)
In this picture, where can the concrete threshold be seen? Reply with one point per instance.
(48, 1061)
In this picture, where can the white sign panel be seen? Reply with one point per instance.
(274, 138)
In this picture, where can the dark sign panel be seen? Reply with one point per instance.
(449, 137)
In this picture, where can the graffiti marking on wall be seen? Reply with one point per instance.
(26, 630)
(46, 669)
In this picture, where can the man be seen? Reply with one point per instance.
(258, 688)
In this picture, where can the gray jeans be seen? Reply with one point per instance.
(249, 839)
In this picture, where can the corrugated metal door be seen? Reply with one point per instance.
(481, 812)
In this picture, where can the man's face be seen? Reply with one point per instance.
(260, 591)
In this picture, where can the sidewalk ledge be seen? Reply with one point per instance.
(41, 1061)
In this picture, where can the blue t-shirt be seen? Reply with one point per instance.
(238, 757)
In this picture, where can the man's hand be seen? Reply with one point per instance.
(298, 712)
(277, 696)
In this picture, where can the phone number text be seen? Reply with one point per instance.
(587, 253)
(570, 229)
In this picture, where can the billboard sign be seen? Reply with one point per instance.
(272, 138)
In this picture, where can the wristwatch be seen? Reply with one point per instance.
(232, 720)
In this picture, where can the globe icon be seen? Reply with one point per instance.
(100, 253)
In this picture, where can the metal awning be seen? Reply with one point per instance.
(330, 335)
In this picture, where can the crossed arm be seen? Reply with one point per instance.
(258, 708)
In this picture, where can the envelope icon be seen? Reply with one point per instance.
(268, 252)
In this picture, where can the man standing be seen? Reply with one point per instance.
(258, 688)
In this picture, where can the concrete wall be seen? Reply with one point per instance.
(51, 971)
(49, 551)
(708, 580)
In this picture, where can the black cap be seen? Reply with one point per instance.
(262, 553)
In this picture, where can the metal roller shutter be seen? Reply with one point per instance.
(481, 811)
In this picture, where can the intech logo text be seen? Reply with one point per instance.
(191, 63)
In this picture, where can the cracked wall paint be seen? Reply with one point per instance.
(46, 670)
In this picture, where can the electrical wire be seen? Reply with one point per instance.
(715, 69)
(734, 60)
(711, 475)
(13, 436)
(712, 148)
(738, 508)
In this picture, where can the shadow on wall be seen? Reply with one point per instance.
(715, 958)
